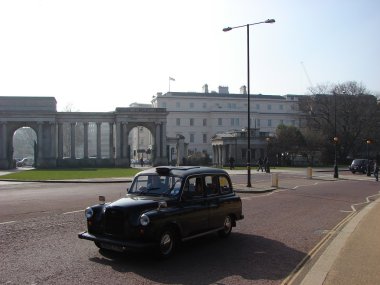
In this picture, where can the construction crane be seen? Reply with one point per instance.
(307, 75)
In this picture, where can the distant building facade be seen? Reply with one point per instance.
(198, 117)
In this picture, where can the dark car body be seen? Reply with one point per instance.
(361, 165)
(162, 207)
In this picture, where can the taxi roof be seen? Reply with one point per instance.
(182, 171)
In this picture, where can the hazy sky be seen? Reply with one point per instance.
(99, 55)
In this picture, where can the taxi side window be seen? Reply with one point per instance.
(212, 184)
(194, 187)
(225, 186)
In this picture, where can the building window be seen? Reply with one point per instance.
(257, 123)
(191, 138)
(204, 138)
(191, 122)
(281, 107)
(231, 105)
(269, 107)
(178, 121)
(293, 122)
(163, 104)
(235, 122)
(178, 105)
(257, 106)
(269, 123)
(204, 105)
(281, 122)
(204, 122)
(220, 121)
(191, 105)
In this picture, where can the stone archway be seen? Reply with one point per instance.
(40, 114)
(25, 145)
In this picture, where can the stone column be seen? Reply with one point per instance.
(213, 155)
(72, 151)
(60, 141)
(3, 140)
(111, 142)
(125, 140)
(85, 140)
(158, 141)
(53, 142)
(119, 139)
(40, 141)
(163, 141)
(98, 140)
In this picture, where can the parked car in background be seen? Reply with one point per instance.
(21, 162)
(164, 206)
(360, 165)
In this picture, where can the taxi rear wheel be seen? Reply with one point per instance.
(227, 227)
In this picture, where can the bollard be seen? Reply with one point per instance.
(275, 180)
(309, 173)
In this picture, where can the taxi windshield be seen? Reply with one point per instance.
(156, 185)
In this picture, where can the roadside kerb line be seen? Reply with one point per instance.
(297, 270)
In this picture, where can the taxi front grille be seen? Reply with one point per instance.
(115, 221)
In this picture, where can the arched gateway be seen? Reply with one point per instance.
(40, 114)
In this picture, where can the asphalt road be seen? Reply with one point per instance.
(39, 244)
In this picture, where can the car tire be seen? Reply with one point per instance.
(166, 243)
(227, 227)
(98, 244)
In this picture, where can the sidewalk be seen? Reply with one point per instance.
(354, 254)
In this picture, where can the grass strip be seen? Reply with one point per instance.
(71, 173)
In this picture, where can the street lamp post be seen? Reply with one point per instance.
(336, 175)
(368, 166)
(267, 162)
(269, 21)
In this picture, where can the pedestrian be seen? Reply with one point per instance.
(376, 171)
(232, 161)
(141, 162)
(260, 164)
(266, 165)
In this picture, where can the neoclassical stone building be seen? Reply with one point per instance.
(40, 114)
(215, 122)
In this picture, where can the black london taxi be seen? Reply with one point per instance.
(164, 206)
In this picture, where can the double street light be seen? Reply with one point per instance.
(269, 21)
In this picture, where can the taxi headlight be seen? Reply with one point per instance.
(144, 220)
(89, 213)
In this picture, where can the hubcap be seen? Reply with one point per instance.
(166, 243)
(227, 224)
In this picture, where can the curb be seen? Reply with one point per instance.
(71, 181)
(238, 188)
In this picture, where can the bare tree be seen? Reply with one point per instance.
(347, 111)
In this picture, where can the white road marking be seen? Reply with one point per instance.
(10, 222)
(73, 212)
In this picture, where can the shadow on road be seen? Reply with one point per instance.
(210, 259)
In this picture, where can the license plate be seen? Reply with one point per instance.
(112, 247)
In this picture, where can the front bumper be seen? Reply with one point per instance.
(119, 245)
